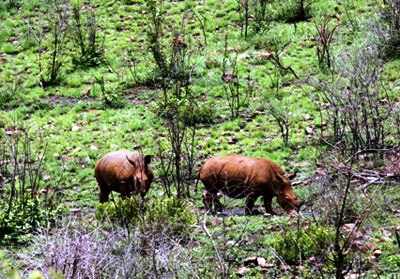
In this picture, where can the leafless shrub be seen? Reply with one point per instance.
(343, 209)
(326, 32)
(236, 93)
(275, 102)
(178, 104)
(279, 112)
(358, 106)
(85, 35)
(275, 58)
(75, 250)
(52, 31)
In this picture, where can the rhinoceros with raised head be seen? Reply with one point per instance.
(124, 172)
(237, 176)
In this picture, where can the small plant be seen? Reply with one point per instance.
(390, 15)
(236, 94)
(111, 96)
(351, 14)
(169, 216)
(51, 59)
(85, 35)
(324, 41)
(9, 92)
(302, 243)
(26, 199)
(125, 212)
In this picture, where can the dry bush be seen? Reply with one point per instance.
(358, 108)
(76, 249)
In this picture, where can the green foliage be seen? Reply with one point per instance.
(168, 215)
(120, 210)
(20, 218)
(295, 244)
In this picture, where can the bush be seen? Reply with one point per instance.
(26, 199)
(78, 250)
(171, 215)
(23, 217)
(167, 216)
(391, 21)
(359, 108)
(85, 35)
(302, 243)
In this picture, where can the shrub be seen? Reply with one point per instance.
(51, 58)
(391, 39)
(301, 243)
(169, 216)
(77, 250)
(26, 199)
(358, 104)
(85, 35)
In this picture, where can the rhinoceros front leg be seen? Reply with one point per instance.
(251, 199)
(124, 189)
(268, 204)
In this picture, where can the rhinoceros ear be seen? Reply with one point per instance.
(131, 161)
(147, 159)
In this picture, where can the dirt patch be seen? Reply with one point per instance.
(141, 95)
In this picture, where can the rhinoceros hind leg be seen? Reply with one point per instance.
(211, 202)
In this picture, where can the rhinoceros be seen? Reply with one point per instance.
(237, 176)
(124, 172)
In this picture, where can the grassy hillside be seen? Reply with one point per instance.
(311, 85)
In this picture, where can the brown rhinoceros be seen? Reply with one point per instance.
(237, 176)
(124, 172)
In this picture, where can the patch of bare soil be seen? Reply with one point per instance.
(141, 95)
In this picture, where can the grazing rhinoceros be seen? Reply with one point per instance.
(237, 176)
(125, 172)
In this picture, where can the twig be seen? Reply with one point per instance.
(220, 259)
(365, 151)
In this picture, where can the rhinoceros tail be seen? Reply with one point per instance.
(197, 181)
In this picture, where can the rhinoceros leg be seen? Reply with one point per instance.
(104, 193)
(218, 207)
(124, 189)
(251, 199)
(211, 202)
(207, 200)
(268, 204)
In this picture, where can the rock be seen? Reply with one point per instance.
(242, 271)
